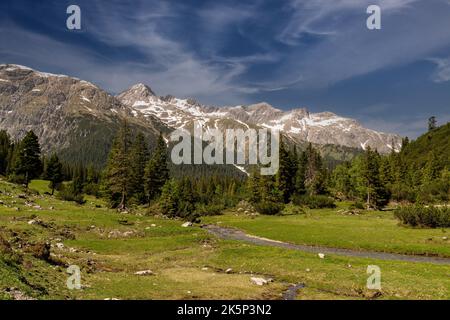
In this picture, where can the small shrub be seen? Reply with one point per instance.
(292, 209)
(269, 208)
(420, 216)
(314, 202)
(209, 209)
(41, 251)
(16, 178)
(67, 193)
(357, 206)
(7, 254)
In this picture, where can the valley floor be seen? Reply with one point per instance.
(192, 263)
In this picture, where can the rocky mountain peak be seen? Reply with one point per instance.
(136, 92)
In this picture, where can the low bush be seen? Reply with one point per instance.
(269, 208)
(357, 206)
(421, 216)
(68, 193)
(292, 209)
(314, 202)
(209, 209)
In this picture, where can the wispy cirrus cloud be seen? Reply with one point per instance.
(442, 72)
(234, 52)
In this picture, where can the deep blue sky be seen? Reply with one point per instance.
(295, 53)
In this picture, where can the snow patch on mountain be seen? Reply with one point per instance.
(300, 124)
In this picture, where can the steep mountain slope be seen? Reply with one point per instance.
(300, 125)
(436, 141)
(71, 116)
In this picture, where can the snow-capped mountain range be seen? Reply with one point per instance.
(299, 124)
(78, 119)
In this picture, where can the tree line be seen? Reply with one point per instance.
(136, 174)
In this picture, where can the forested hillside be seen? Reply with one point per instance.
(434, 143)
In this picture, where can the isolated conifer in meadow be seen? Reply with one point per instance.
(156, 171)
(28, 162)
(118, 173)
(53, 172)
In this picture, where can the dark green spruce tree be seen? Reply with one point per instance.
(117, 176)
(285, 177)
(169, 200)
(5, 149)
(28, 158)
(53, 172)
(139, 157)
(376, 193)
(156, 171)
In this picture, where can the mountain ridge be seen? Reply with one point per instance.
(299, 124)
(79, 119)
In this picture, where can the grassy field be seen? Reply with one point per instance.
(377, 231)
(189, 263)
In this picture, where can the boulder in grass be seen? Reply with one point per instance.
(259, 281)
(321, 255)
(144, 273)
(187, 224)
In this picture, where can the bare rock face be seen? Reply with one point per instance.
(71, 116)
(300, 125)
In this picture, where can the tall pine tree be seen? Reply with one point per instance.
(5, 149)
(139, 157)
(156, 171)
(53, 172)
(28, 162)
(117, 174)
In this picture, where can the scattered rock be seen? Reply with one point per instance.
(308, 270)
(187, 224)
(349, 266)
(259, 281)
(153, 225)
(144, 273)
(16, 294)
(372, 294)
(444, 238)
(204, 268)
(321, 255)
(59, 245)
(229, 270)
(32, 222)
(37, 207)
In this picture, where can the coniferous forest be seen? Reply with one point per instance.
(135, 175)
